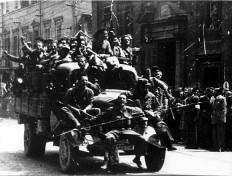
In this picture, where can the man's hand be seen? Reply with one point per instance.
(77, 124)
(22, 38)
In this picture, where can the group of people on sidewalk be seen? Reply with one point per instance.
(205, 120)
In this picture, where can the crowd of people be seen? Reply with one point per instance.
(196, 118)
(47, 55)
(205, 120)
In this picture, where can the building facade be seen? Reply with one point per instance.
(39, 18)
(189, 40)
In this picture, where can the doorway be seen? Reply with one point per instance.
(211, 77)
(166, 59)
(209, 73)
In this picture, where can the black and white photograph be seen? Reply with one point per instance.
(115, 87)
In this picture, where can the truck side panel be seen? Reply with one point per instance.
(36, 106)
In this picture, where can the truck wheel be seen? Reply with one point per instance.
(66, 155)
(34, 145)
(155, 158)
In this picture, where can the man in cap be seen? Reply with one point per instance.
(150, 105)
(121, 115)
(159, 86)
(37, 54)
(101, 45)
(116, 47)
(129, 51)
(64, 55)
(78, 102)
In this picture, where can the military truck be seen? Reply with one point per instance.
(36, 111)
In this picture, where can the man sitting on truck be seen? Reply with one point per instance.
(120, 117)
(78, 103)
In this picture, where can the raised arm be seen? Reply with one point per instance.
(24, 43)
(11, 57)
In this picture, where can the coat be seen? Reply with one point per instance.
(219, 110)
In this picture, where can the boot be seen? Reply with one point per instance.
(106, 164)
(137, 161)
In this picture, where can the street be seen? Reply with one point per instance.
(179, 162)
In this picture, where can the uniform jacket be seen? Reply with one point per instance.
(148, 101)
(219, 110)
(79, 98)
(119, 113)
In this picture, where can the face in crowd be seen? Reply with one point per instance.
(122, 99)
(158, 74)
(126, 41)
(82, 82)
(54, 47)
(82, 62)
(83, 44)
(39, 45)
(116, 41)
(105, 35)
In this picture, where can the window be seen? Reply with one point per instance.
(47, 29)
(7, 41)
(15, 45)
(7, 47)
(58, 27)
(58, 31)
(7, 7)
(25, 32)
(34, 1)
(35, 33)
(30, 36)
(47, 33)
(15, 41)
(24, 4)
(16, 5)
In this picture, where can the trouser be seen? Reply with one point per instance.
(134, 138)
(218, 135)
(74, 116)
(71, 117)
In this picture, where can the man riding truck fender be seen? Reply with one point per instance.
(78, 103)
(150, 105)
(120, 113)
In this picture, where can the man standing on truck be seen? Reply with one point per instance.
(78, 102)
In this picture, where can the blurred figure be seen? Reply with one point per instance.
(206, 100)
(116, 47)
(129, 51)
(192, 115)
(219, 121)
(101, 45)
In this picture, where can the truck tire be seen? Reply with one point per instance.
(34, 145)
(155, 157)
(66, 155)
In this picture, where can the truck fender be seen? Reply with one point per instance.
(150, 136)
